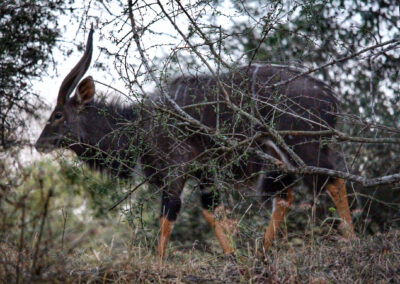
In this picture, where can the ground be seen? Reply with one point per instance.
(94, 257)
(55, 227)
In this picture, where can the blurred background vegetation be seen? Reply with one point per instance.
(55, 209)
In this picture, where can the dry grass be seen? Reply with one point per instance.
(46, 237)
(93, 257)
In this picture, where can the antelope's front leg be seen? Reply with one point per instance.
(170, 207)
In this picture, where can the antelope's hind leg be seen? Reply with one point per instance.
(279, 210)
(215, 215)
(337, 191)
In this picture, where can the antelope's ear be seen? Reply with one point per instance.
(85, 91)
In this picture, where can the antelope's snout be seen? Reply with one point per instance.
(45, 142)
(43, 147)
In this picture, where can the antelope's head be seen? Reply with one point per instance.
(65, 122)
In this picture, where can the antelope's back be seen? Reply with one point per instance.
(305, 104)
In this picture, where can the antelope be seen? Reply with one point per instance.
(112, 137)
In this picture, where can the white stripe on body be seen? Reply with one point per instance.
(273, 205)
(177, 91)
(185, 94)
(282, 156)
(253, 93)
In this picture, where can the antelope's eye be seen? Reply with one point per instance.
(58, 115)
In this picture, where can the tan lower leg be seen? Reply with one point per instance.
(337, 191)
(278, 214)
(165, 232)
(221, 228)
